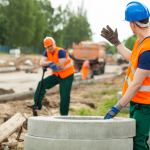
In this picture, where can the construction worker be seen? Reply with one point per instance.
(136, 89)
(63, 74)
(85, 70)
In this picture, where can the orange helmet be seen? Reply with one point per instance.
(48, 41)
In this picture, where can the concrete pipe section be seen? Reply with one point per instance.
(79, 133)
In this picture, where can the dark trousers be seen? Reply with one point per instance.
(65, 89)
(141, 113)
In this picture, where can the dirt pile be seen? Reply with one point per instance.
(23, 60)
(3, 91)
(118, 80)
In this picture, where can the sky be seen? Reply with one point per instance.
(104, 12)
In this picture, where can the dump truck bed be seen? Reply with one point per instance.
(85, 52)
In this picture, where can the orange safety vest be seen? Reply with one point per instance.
(143, 95)
(85, 69)
(68, 66)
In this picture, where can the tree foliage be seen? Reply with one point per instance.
(25, 23)
(78, 29)
(129, 43)
(110, 49)
(4, 34)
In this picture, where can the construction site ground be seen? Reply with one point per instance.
(20, 82)
(82, 96)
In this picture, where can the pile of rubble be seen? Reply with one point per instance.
(23, 60)
(12, 131)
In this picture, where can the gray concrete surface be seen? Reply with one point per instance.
(38, 143)
(21, 81)
(7, 69)
(78, 127)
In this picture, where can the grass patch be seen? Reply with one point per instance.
(102, 105)
(109, 92)
(98, 93)
(72, 109)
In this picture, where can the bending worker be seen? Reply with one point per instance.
(85, 70)
(136, 89)
(63, 74)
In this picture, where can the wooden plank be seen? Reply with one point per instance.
(11, 125)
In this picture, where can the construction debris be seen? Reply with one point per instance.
(11, 143)
(4, 91)
(9, 127)
(22, 61)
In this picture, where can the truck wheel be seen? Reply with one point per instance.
(103, 69)
(97, 72)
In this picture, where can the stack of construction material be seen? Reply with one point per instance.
(76, 133)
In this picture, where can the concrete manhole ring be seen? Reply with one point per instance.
(38, 143)
(81, 127)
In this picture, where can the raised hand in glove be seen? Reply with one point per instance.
(110, 35)
(113, 111)
(54, 67)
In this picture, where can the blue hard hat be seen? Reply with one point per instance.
(136, 11)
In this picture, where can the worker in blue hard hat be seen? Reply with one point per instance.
(136, 89)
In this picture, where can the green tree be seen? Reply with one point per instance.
(39, 24)
(77, 27)
(129, 43)
(48, 12)
(4, 34)
(54, 21)
(110, 49)
(21, 21)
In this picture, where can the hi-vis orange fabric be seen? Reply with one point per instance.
(85, 69)
(68, 66)
(143, 95)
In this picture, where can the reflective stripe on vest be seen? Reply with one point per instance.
(67, 59)
(67, 66)
(143, 88)
(142, 96)
(133, 70)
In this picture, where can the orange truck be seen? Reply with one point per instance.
(94, 52)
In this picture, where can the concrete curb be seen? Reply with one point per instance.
(38, 143)
(16, 96)
(7, 69)
(12, 69)
(78, 127)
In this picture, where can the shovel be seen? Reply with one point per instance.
(37, 100)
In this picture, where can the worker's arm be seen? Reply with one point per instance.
(125, 52)
(44, 61)
(61, 63)
(132, 90)
(112, 37)
(134, 87)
